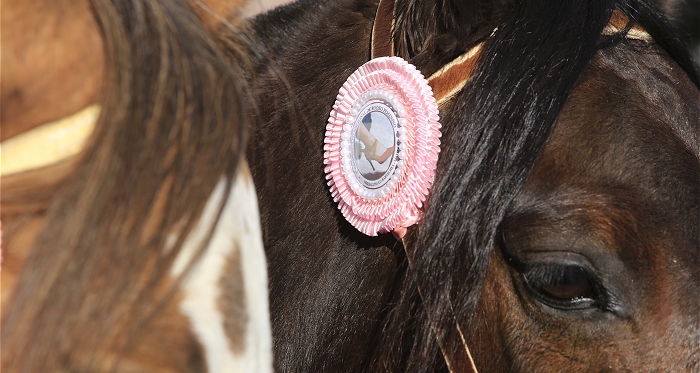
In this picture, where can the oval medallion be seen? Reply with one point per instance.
(375, 145)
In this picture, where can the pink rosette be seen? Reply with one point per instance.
(385, 104)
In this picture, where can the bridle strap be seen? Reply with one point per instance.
(451, 78)
(621, 23)
(382, 38)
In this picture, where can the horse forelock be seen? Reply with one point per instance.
(170, 128)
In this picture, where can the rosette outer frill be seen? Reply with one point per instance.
(393, 101)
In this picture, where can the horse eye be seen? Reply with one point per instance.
(567, 287)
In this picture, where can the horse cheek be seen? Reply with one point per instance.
(496, 319)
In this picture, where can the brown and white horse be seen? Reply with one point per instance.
(562, 232)
(131, 240)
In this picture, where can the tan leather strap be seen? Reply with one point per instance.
(451, 78)
(619, 22)
(382, 29)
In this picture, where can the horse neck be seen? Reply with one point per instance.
(52, 63)
(35, 213)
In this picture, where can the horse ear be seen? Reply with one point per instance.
(429, 33)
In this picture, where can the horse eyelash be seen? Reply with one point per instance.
(536, 276)
(552, 273)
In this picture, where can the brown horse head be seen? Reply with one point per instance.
(562, 230)
(595, 265)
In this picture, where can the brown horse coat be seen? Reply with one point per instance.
(562, 230)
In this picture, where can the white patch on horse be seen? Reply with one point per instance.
(238, 227)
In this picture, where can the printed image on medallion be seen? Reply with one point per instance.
(375, 144)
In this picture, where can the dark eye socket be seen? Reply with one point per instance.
(562, 286)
